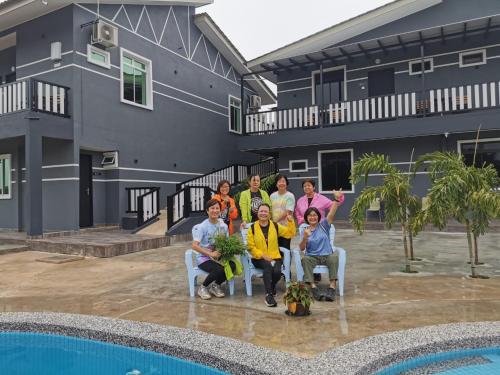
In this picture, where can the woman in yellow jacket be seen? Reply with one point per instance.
(262, 241)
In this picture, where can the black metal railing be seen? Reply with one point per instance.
(148, 206)
(35, 95)
(133, 194)
(192, 194)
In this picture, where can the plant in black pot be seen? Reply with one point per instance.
(297, 298)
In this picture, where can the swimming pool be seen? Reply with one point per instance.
(481, 361)
(46, 354)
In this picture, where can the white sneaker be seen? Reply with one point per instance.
(216, 290)
(203, 292)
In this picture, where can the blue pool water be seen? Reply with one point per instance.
(43, 354)
(482, 361)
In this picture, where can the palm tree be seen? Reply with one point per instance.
(395, 192)
(465, 193)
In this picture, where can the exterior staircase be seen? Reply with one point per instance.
(186, 207)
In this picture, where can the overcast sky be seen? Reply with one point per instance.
(258, 26)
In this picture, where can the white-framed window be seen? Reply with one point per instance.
(487, 152)
(298, 165)
(98, 56)
(472, 58)
(334, 170)
(234, 106)
(5, 177)
(136, 80)
(415, 66)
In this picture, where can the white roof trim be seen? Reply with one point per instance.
(215, 35)
(7, 41)
(348, 29)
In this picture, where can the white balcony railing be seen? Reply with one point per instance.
(412, 104)
(34, 95)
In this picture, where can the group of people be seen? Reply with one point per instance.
(268, 223)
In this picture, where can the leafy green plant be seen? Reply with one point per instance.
(465, 193)
(395, 192)
(228, 246)
(298, 292)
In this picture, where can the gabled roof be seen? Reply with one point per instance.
(15, 12)
(215, 35)
(346, 30)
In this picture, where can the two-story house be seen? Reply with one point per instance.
(412, 74)
(101, 102)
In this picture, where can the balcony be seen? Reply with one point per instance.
(34, 95)
(411, 105)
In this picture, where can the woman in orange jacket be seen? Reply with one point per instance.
(228, 211)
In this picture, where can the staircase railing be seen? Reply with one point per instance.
(148, 207)
(192, 194)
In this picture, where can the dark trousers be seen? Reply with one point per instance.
(272, 274)
(284, 242)
(215, 272)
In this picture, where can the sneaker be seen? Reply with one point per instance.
(270, 301)
(203, 292)
(318, 296)
(216, 290)
(330, 294)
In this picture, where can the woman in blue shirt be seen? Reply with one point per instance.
(315, 241)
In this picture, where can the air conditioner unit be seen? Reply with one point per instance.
(255, 102)
(109, 160)
(104, 34)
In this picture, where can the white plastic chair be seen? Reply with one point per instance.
(249, 269)
(193, 271)
(324, 269)
(375, 206)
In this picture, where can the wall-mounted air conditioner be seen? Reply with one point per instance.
(255, 102)
(109, 160)
(104, 34)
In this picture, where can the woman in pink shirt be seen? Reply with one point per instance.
(311, 199)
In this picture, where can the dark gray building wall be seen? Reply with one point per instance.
(185, 135)
(399, 152)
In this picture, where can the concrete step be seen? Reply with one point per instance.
(101, 245)
(12, 248)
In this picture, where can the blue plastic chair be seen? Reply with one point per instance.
(249, 269)
(324, 269)
(193, 271)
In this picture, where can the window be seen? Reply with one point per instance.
(334, 170)
(488, 151)
(136, 80)
(98, 56)
(415, 67)
(333, 86)
(5, 180)
(234, 115)
(298, 165)
(472, 58)
(110, 160)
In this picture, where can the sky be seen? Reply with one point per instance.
(259, 26)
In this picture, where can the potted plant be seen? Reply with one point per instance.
(297, 298)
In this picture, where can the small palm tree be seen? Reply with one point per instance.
(395, 192)
(465, 193)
